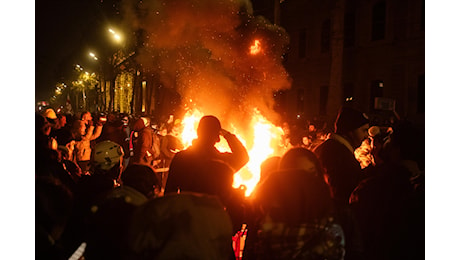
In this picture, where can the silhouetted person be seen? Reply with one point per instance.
(47, 163)
(53, 205)
(389, 205)
(204, 176)
(139, 184)
(143, 143)
(342, 170)
(180, 226)
(336, 154)
(63, 135)
(267, 167)
(202, 168)
(170, 145)
(113, 131)
(296, 218)
(203, 149)
(90, 190)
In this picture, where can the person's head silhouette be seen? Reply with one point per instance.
(209, 129)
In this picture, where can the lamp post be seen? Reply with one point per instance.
(99, 97)
(115, 60)
(111, 62)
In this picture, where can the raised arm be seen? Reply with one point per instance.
(239, 156)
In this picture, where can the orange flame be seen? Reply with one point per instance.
(190, 123)
(256, 48)
(266, 143)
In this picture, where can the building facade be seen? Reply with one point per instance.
(370, 52)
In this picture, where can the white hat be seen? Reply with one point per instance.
(49, 113)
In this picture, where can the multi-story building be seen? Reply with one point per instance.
(371, 52)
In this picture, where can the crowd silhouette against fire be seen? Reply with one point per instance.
(118, 186)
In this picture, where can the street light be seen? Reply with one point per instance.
(116, 36)
(100, 79)
(78, 67)
(93, 56)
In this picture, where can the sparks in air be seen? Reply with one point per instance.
(255, 49)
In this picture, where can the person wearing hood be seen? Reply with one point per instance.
(142, 143)
(342, 171)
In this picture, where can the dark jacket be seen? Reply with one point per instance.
(390, 214)
(297, 221)
(113, 131)
(188, 166)
(143, 145)
(341, 169)
(343, 173)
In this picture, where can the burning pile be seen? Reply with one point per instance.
(222, 60)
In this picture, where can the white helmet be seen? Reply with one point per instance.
(107, 154)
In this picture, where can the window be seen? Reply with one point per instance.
(378, 21)
(302, 43)
(323, 95)
(349, 29)
(326, 36)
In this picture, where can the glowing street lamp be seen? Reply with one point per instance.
(116, 36)
(99, 77)
(78, 67)
(93, 56)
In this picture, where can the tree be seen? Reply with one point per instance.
(86, 81)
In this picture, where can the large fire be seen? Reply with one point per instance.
(266, 143)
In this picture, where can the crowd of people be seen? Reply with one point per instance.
(117, 186)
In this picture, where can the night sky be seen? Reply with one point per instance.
(64, 32)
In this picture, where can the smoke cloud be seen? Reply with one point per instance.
(201, 48)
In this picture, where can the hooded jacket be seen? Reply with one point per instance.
(143, 144)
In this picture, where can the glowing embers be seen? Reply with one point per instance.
(263, 142)
(256, 48)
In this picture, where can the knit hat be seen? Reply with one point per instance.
(349, 119)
